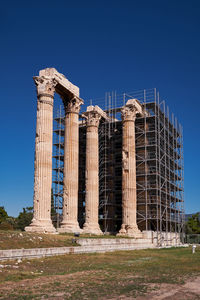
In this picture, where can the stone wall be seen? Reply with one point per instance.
(87, 246)
(163, 239)
(90, 246)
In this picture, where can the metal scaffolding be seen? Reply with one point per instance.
(159, 165)
(58, 163)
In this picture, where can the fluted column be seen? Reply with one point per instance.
(92, 173)
(129, 202)
(43, 157)
(71, 159)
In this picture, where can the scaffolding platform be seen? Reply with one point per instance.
(159, 165)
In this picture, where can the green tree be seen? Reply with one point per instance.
(6, 222)
(24, 218)
(3, 214)
(193, 224)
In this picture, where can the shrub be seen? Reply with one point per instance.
(5, 225)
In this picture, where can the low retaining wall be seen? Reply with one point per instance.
(87, 246)
(97, 245)
(163, 238)
(114, 242)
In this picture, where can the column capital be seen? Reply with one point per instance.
(128, 113)
(130, 110)
(93, 115)
(92, 119)
(45, 86)
(72, 105)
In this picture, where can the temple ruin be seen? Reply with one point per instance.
(118, 167)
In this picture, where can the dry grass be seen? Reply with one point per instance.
(98, 276)
(21, 239)
(18, 239)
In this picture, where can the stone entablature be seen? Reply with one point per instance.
(59, 79)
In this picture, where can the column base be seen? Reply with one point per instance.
(42, 226)
(130, 231)
(92, 229)
(69, 228)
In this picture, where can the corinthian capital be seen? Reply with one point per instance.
(93, 119)
(93, 115)
(130, 110)
(73, 105)
(128, 113)
(45, 86)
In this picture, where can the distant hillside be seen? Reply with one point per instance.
(189, 216)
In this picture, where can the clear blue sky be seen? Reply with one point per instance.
(100, 46)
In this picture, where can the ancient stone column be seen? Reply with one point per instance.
(43, 157)
(91, 224)
(129, 202)
(71, 153)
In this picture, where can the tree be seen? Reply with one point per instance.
(3, 214)
(24, 218)
(193, 224)
(6, 222)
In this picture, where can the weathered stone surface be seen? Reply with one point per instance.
(61, 80)
(71, 153)
(48, 82)
(129, 202)
(163, 238)
(87, 246)
(93, 116)
(43, 158)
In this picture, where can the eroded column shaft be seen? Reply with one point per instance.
(70, 195)
(129, 174)
(129, 198)
(43, 162)
(71, 160)
(93, 116)
(92, 180)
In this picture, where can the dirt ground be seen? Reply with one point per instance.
(141, 274)
(188, 291)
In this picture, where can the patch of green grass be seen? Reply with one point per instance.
(56, 283)
(95, 276)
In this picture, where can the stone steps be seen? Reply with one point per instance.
(116, 241)
(87, 246)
